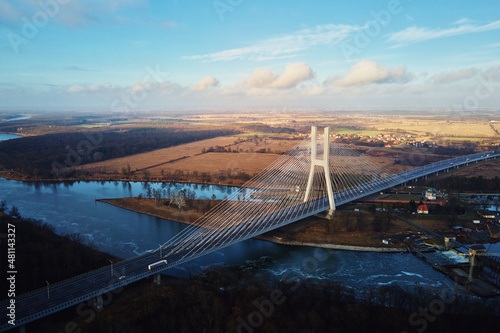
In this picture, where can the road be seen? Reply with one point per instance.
(44, 301)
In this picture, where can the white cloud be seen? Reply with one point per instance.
(205, 83)
(463, 20)
(449, 77)
(367, 72)
(415, 34)
(294, 74)
(8, 13)
(285, 45)
(78, 88)
(492, 74)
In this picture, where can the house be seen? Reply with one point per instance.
(422, 209)
(430, 195)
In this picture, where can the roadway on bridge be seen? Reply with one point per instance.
(42, 302)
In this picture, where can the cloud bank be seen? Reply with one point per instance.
(294, 74)
(367, 72)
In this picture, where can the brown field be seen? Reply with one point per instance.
(145, 160)
(216, 162)
(189, 158)
(430, 128)
(443, 128)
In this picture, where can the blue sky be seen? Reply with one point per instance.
(123, 55)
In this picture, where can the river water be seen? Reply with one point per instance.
(71, 208)
(4, 136)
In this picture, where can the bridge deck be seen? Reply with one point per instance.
(204, 239)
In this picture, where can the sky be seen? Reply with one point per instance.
(132, 55)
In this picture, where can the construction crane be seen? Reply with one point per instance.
(473, 252)
(491, 234)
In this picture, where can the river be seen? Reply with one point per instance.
(71, 208)
(5, 136)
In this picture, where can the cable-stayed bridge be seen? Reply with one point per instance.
(309, 179)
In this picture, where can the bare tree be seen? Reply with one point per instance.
(179, 200)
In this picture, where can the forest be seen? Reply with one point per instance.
(230, 300)
(53, 155)
(461, 184)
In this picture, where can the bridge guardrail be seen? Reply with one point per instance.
(381, 184)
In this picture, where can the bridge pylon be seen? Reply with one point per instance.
(324, 163)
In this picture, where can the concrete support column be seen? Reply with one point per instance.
(325, 163)
(98, 302)
(157, 278)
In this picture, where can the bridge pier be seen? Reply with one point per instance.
(98, 302)
(157, 278)
(22, 329)
(325, 163)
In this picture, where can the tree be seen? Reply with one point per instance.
(158, 195)
(179, 201)
(413, 206)
(3, 206)
(14, 212)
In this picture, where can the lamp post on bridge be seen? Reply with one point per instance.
(48, 289)
(111, 267)
(160, 250)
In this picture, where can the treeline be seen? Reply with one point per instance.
(463, 184)
(263, 128)
(53, 155)
(204, 177)
(221, 149)
(38, 124)
(41, 255)
(223, 300)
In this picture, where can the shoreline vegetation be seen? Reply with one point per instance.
(305, 233)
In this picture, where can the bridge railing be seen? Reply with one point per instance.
(282, 218)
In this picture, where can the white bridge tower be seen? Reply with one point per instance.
(325, 163)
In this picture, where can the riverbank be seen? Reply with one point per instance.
(13, 175)
(313, 231)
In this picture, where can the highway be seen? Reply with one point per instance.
(41, 302)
